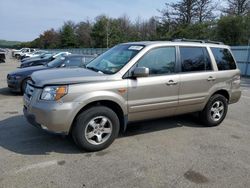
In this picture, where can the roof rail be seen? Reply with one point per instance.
(196, 40)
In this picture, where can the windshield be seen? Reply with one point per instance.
(56, 62)
(114, 59)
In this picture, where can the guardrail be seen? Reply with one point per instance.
(242, 56)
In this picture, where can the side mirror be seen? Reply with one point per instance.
(140, 72)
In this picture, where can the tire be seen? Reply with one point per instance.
(90, 122)
(18, 56)
(24, 84)
(215, 111)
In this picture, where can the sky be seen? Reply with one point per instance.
(25, 20)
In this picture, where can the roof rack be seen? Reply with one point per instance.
(196, 40)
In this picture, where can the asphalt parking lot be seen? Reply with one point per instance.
(170, 152)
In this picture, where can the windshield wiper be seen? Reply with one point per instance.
(93, 69)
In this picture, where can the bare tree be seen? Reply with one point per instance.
(83, 33)
(188, 12)
(237, 7)
(204, 10)
(182, 12)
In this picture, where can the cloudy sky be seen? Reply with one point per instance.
(24, 20)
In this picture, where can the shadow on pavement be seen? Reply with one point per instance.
(18, 136)
(6, 92)
(188, 120)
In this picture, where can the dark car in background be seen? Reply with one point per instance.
(42, 60)
(32, 55)
(2, 56)
(37, 61)
(36, 57)
(17, 80)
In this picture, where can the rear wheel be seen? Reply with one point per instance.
(17, 56)
(96, 128)
(215, 111)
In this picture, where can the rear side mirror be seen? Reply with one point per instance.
(140, 72)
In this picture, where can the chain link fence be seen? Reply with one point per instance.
(85, 51)
(242, 56)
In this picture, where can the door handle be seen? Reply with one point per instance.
(171, 82)
(211, 78)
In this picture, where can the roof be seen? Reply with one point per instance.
(79, 55)
(187, 43)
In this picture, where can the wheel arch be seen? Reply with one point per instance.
(222, 92)
(107, 103)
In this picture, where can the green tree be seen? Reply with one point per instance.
(101, 31)
(230, 30)
(68, 36)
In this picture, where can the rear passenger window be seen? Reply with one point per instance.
(194, 59)
(159, 61)
(224, 59)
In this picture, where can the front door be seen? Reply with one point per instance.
(157, 95)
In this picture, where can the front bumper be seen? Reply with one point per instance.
(14, 85)
(56, 117)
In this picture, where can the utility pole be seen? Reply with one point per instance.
(107, 33)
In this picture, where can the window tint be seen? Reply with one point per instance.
(224, 59)
(159, 61)
(194, 59)
(73, 62)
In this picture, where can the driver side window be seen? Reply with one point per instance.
(160, 61)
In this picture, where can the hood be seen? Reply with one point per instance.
(66, 76)
(28, 70)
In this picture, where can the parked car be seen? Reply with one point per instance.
(17, 80)
(133, 82)
(36, 57)
(18, 53)
(2, 56)
(32, 54)
(43, 60)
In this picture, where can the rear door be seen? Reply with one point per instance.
(156, 95)
(196, 78)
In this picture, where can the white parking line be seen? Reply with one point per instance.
(37, 166)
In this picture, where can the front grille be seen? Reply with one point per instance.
(29, 90)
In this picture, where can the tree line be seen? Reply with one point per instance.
(228, 22)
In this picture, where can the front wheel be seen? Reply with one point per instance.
(96, 128)
(215, 111)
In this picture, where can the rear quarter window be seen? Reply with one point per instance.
(224, 59)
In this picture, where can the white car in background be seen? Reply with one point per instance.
(32, 54)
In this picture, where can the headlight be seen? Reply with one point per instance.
(54, 93)
(13, 77)
(17, 77)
